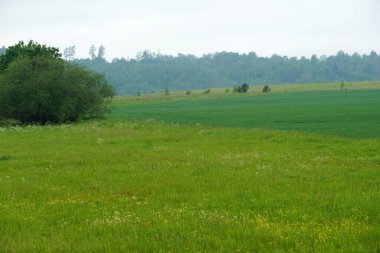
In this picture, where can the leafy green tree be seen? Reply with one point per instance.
(243, 88)
(43, 88)
(31, 49)
(266, 89)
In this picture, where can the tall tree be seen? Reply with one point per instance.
(101, 52)
(92, 52)
(69, 53)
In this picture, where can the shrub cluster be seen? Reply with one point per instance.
(243, 88)
(266, 89)
(208, 91)
(37, 86)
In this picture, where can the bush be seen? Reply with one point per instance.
(266, 89)
(207, 91)
(188, 92)
(243, 88)
(30, 50)
(44, 89)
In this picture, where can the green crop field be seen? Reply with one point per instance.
(295, 171)
(354, 113)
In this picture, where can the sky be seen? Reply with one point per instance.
(267, 27)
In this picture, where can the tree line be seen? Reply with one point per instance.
(152, 72)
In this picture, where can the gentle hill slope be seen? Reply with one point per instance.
(354, 113)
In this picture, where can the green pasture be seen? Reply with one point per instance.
(353, 113)
(255, 89)
(280, 172)
(111, 186)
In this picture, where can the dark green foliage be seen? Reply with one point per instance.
(342, 85)
(167, 91)
(5, 158)
(155, 72)
(208, 91)
(31, 49)
(42, 88)
(243, 88)
(266, 89)
(188, 92)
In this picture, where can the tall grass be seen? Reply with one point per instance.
(113, 185)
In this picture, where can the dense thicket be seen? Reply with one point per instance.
(155, 72)
(37, 86)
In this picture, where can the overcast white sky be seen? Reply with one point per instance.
(285, 27)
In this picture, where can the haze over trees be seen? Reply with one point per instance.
(2, 50)
(69, 53)
(38, 86)
(155, 72)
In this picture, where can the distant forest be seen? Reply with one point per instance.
(152, 72)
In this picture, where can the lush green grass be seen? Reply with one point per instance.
(125, 185)
(354, 113)
(113, 186)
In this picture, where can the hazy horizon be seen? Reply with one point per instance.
(293, 28)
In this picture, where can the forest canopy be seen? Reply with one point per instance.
(157, 72)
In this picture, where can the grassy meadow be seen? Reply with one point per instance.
(288, 171)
